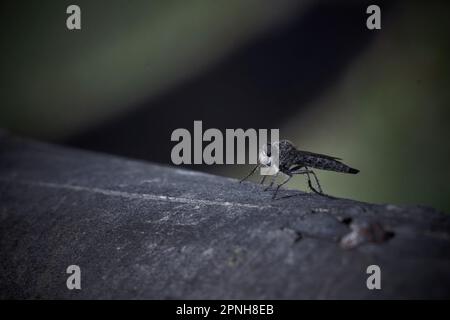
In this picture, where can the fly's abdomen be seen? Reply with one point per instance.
(328, 164)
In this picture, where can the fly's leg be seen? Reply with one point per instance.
(281, 184)
(312, 188)
(317, 182)
(263, 179)
(289, 174)
(272, 181)
(251, 172)
(307, 172)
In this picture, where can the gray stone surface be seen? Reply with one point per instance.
(139, 230)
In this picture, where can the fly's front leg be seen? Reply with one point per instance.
(251, 172)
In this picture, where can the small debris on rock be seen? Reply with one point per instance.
(363, 233)
(319, 210)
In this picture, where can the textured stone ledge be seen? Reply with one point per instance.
(140, 230)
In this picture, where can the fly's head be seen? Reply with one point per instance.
(267, 155)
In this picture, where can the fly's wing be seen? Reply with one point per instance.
(323, 162)
(317, 155)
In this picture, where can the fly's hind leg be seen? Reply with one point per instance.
(317, 182)
(307, 172)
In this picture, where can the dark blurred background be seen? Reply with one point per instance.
(140, 69)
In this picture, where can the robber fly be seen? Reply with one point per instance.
(293, 161)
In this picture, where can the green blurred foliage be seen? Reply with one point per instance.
(56, 82)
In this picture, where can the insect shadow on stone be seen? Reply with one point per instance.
(293, 161)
